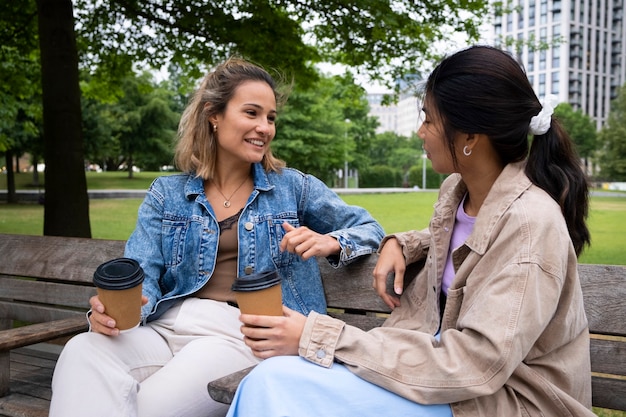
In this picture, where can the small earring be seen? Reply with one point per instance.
(467, 151)
(215, 128)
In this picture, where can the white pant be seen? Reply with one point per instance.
(161, 369)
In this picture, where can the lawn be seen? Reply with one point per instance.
(115, 219)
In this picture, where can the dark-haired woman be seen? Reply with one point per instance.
(494, 324)
(233, 211)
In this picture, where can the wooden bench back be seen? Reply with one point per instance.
(44, 278)
(604, 291)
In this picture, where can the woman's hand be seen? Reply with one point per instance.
(102, 323)
(269, 336)
(390, 261)
(306, 243)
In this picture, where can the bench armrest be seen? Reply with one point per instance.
(223, 389)
(41, 332)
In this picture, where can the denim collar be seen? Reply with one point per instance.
(195, 184)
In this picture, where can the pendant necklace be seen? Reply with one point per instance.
(226, 202)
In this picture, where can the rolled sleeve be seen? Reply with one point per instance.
(414, 244)
(319, 339)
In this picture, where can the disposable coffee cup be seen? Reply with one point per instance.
(118, 283)
(259, 293)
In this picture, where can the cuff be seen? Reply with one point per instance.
(319, 339)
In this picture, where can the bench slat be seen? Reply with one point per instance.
(350, 287)
(52, 257)
(604, 292)
(608, 356)
(32, 313)
(62, 294)
(608, 393)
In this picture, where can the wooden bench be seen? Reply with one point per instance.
(44, 280)
(350, 296)
(47, 281)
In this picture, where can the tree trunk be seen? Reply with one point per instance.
(66, 209)
(11, 194)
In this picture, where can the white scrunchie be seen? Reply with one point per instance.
(540, 123)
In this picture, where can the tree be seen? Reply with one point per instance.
(20, 98)
(580, 128)
(613, 140)
(311, 131)
(383, 39)
(145, 123)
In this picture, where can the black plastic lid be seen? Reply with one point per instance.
(255, 282)
(118, 274)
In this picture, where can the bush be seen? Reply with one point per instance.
(433, 179)
(380, 176)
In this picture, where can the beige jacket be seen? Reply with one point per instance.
(514, 337)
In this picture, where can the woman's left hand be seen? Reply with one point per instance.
(306, 243)
(269, 336)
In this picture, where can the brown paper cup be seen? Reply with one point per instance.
(259, 294)
(119, 283)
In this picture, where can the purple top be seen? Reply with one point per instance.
(463, 227)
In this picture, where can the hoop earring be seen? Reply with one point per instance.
(467, 151)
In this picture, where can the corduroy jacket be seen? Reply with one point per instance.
(514, 337)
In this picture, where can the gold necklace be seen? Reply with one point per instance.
(226, 202)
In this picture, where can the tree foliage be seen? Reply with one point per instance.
(580, 128)
(613, 140)
(383, 39)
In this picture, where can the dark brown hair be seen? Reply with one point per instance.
(482, 89)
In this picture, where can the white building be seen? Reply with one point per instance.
(401, 117)
(574, 49)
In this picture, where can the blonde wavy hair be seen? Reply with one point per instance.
(196, 148)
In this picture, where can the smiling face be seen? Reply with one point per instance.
(247, 125)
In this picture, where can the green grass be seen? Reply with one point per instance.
(398, 212)
(115, 219)
(115, 180)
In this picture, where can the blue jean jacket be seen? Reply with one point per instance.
(176, 237)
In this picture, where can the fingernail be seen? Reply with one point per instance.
(398, 290)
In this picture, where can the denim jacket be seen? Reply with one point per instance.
(176, 237)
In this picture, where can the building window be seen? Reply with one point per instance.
(555, 83)
(556, 52)
(531, 61)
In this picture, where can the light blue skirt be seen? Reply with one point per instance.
(289, 386)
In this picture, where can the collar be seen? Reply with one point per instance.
(508, 187)
(195, 184)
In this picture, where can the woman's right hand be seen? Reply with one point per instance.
(390, 261)
(102, 323)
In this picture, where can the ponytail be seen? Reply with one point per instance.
(553, 165)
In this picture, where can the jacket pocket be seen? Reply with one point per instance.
(454, 302)
(276, 234)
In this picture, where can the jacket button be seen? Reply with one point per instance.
(249, 226)
(248, 270)
(348, 251)
(321, 354)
